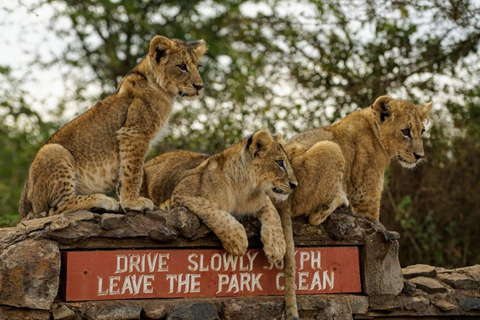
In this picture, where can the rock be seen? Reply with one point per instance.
(443, 305)
(358, 304)
(39, 223)
(301, 227)
(162, 234)
(408, 287)
(196, 311)
(29, 274)
(326, 304)
(7, 313)
(381, 260)
(80, 215)
(459, 281)
(429, 285)
(59, 224)
(390, 235)
(63, 313)
(110, 221)
(8, 236)
(80, 230)
(153, 312)
(342, 226)
(311, 303)
(385, 302)
(253, 308)
(417, 304)
(181, 220)
(113, 310)
(469, 303)
(472, 271)
(418, 270)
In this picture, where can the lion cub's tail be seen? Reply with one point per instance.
(24, 205)
(289, 268)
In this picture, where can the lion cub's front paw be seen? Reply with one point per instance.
(138, 204)
(235, 240)
(273, 243)
(106, 203)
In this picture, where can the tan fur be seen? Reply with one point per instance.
(106, 146)
(239, 181)
(345, 163)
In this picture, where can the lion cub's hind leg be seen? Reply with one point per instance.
(338, 200)
(320, 173)
(230, 232)
(52, 184)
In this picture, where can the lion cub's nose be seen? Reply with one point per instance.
(418, 156)
(198, 87)
(293, 185)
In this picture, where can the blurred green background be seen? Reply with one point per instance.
(287, 66)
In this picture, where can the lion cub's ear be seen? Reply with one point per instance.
(383, 107)
(424, 110)
(277, 137)
(260, 143)
(199, 46)
(159, 48)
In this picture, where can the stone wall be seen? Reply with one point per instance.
(30, 267)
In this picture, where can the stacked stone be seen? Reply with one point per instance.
(30, 264)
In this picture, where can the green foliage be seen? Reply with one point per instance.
(289, 67)
(22, 132)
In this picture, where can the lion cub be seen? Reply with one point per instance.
(240, 180)
(348, 159)
(106, 146)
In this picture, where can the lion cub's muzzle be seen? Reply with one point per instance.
(191, 92)
(412, 162)
(282, 194)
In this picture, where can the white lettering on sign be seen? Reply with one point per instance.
(239, 282)
(140, 273)
(309, 281)
(183, 283)
(227, 261)
(137, 263)
(131, 284)
(310, 257)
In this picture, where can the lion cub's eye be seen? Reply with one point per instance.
(182, 67)
(406, 132)
(280, 164)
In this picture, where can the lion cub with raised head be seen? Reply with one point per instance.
(240, 180)
(348, 159)
(345, 163)
(106, 146)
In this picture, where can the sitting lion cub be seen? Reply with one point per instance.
(348, 159)
(237, 181)
(106, 146)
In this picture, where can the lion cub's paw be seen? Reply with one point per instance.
(166, 205)
(235, 240)
(273, 243)
(106, 203)
(138, 204)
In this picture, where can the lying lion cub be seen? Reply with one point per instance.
(106, 146)
(237, 181)
(349, 159)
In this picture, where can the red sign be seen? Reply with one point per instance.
(134, 274)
